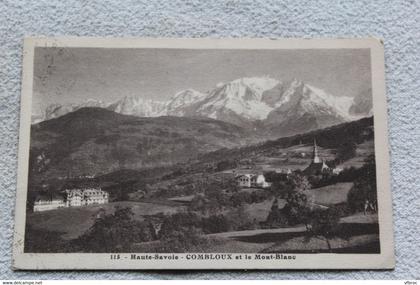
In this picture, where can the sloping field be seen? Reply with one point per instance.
(75, 221)
(182, 199)
(331, 194)
(260, 211)
(355, 244)
(356, 234)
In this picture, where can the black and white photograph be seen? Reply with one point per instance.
(197, 150)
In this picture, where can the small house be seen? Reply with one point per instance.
(48, 202)
(252, 180)
(260, 181)
(244, 180)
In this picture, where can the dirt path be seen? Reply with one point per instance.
(258, 232)
(357, 218)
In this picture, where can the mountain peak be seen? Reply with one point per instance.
(188, 92)
(244, 101)
(136, 105)
(258, 84)
(295, 82)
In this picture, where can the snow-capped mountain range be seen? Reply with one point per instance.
(284, 106)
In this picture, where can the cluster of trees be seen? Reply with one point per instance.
(324, 223)
(226, 164)
(241, 198)
(235, 219)
(345, 151)
(194, 184)
(296, 211)
(180, 241)
(341, 136)
(185, 231)
(350, 174)
(180, 232)
(321, 223)
(363, 194)
(115, 233)
(214, 200)
(120, 231)
(283, 184)
(44, 241)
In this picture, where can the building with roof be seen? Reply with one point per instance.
(48, 202)
(85, 197)
(71, 198)
(249, 180)
(317, 166)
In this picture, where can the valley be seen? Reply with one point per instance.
(255, 164)
(198, 194)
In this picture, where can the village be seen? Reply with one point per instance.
(244, 178)
(317, 166)
(237, 204)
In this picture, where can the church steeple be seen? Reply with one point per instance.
(317, 166)
(315, 157)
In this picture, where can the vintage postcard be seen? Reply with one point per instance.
(203, 154)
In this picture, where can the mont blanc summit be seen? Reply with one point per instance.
(282, 107)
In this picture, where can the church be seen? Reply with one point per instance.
(317, 166)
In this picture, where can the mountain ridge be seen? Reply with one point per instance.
(94, 140)
(281, 107)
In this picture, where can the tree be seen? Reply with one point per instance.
(346, 151)
(197, 203)
(183, 240)
(44, 241)
(114, 233)
(276, 217)
(215, 224)
(241, 198)
(178, 222)
(324, 223)
(240, 219)
(121, 154)
(294, 182)
(364, 191)
(226, 164)
(299, 182)
(297, 209)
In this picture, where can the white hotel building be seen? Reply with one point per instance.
(71, 198)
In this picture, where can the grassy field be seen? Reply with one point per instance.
(75, 221)
(331, 194)
(260, 211)
(357, 234)
(304, 244)
(182, 199)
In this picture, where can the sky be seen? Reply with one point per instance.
(73, 75)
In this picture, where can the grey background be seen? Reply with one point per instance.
(397, 22)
